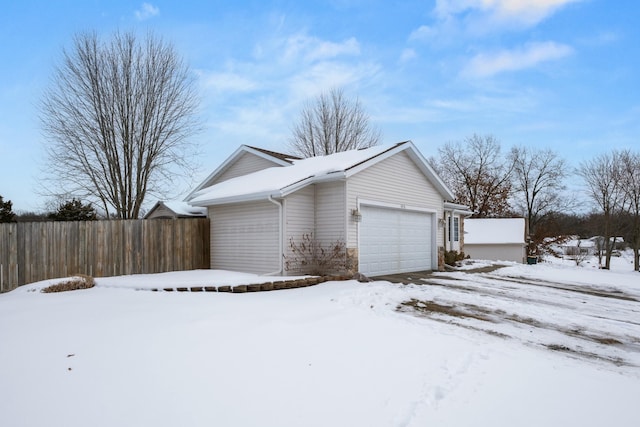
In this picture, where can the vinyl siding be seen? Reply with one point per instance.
(331, 215)
(395, 180)
(247, 163)
(244, 237)
(162, 212)
(299, 219)
(498, 252)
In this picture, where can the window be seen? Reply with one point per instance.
(455, 227)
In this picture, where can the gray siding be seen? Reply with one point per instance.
(161, 212)
(394, 180)
(499, 252)
(299, 219)
(331, 215)
(244, 237)
(247, 163)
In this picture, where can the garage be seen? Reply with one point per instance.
(394, 241)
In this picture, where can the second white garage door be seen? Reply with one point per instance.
(394, 241)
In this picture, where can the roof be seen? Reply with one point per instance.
(457, 208)
(180, 209)
(284, 157)
(494, 230)
(279, 181)
(280, 159)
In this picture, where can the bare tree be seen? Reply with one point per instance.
(117, 118)
(630, 169)
(478, 175)
(331, 124)
(605, 186)
(538, 179)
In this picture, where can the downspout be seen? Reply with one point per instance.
(280, 230)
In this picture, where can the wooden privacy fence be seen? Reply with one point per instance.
(34, 251)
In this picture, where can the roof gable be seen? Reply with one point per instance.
(175, 209)
(277, 159)
(280, 181)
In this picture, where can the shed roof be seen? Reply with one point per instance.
(180, 209)
(494, 230)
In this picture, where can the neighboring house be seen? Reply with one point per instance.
(498, 239)
(576, 246)
(385, 203)
(168, 210)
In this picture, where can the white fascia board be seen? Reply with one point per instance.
(217, 171)
(232, 158)
(266, 156)
(375, 159)
(422, 163)
(458, 208)
(333, 176)
(238, 199)
(417, 157)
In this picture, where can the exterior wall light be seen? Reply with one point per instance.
(356, 215)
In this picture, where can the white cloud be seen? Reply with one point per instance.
(227, 82)
(147, 10)
(408, 55)
(486, 65)
(309, 82)
(527, 11)
(314, 49)
(460, 19)
(424, 32)
(258, 98)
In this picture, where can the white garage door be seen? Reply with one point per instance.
(394, 241)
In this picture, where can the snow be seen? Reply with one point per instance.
(493, 230)
(182, 208)
(273, 179)
(338, 353)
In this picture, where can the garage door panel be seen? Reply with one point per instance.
(394, 240)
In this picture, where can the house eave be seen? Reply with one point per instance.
(265, 195)
(226, 164)
(457, 208)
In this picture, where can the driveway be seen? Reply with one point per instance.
(416, 276)
(588, 321)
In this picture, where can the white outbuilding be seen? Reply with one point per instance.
(497, 239)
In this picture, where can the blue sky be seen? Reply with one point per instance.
(562, 74)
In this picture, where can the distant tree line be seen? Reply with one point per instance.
(530, 183)
(72, 210)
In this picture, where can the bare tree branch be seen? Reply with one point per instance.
(605, 187)
(478, 174)
(331, 124)
(538, 178)
(118, 117)
(630, 170)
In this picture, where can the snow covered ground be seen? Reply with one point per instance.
(541, 345)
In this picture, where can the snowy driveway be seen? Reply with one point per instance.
(582, 318)
(523, 345)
